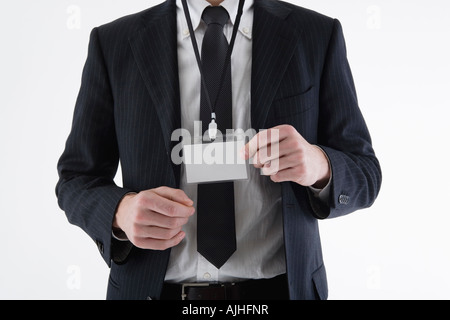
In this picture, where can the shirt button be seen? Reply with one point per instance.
(186, 32)
(246, 30)
(207, 276)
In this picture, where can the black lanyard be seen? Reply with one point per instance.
(212, 107)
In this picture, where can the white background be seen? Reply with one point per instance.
(399, 51)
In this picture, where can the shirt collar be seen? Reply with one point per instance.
(196, 8)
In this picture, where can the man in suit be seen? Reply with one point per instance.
(141, 82)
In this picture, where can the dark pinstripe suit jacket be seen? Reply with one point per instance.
(129, 105)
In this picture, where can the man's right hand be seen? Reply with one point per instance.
(153, 219)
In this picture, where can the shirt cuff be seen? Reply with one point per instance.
(322, 194)
(119, 235)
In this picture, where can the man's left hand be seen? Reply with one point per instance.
(284, 155)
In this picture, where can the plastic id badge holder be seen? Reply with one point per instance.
(214, 162)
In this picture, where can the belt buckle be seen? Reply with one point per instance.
(187, 285)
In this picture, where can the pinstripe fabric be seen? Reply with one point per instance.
(128, 106)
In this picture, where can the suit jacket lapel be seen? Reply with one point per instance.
(155, 51)
(274, 42)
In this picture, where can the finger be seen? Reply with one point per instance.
(289, 161)
(156, 219)
(261, 140)
(287, 147)
(157, 233)
(271, 168)
(157, 244)
(283, 175)
(154, 202)
(267, 154)
(176, 195)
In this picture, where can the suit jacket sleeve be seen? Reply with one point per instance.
(344, 136)
(86, 190)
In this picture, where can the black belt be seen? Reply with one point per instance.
(261, 289)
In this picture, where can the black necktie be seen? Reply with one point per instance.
(216, 234)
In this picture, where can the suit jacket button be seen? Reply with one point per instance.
(343, 199)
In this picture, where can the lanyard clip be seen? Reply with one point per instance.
(212, 129)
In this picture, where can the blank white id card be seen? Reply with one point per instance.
(214, 162)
